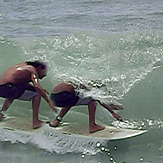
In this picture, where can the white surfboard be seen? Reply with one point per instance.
(109, 133)
(75, 129)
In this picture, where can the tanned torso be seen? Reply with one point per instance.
(20, 73)
(63, 87)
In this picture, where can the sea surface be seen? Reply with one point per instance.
(115, 47)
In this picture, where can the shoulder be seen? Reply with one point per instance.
(23, 67)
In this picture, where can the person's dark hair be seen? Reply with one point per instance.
(37, 64)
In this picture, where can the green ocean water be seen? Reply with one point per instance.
(124, 68)
(115, 48)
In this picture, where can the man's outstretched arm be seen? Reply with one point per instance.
(110, 110)
(41, 91)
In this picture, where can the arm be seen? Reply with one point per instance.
(111, 111)
(41, 91)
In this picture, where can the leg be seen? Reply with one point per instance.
(5, 106)
(35, 104)
(92, 125)
(56, 122)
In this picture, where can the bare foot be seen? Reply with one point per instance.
(37, 124)
(95, 128)
(54, 123)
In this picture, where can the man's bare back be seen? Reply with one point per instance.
(63, 86)
(20, 73)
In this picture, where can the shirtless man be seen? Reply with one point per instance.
(15, 84)
(64, 95)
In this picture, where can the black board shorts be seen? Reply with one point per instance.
(17, 91)
(64, 99)
(68, 99)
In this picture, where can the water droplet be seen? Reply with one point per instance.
(102, 149)
(98, 144)
(111, 159)
(83, 156)
(141, 159)
(106, 150)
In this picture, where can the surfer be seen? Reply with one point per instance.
(65, 95)
(15, 84)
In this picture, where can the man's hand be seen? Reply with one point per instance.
(116, 107)
(117, 117)
(52, 106)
